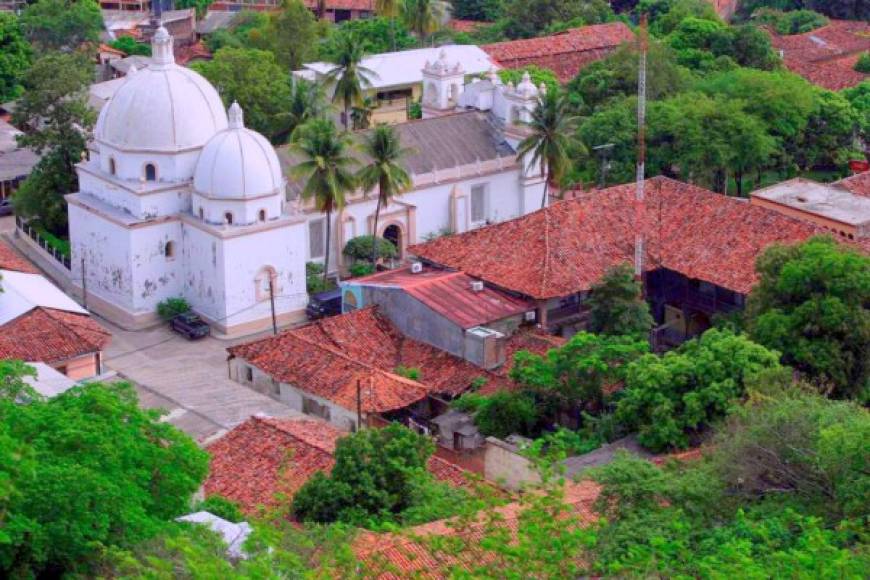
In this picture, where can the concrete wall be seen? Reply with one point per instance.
(504, 465)
(83, 367)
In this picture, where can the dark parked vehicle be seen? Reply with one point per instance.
(323, 304)
(6, 207)
(190, 326)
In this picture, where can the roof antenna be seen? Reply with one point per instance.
(639, 203)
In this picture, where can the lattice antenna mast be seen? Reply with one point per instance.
(641, 149)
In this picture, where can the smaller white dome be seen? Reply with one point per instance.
(238, 163)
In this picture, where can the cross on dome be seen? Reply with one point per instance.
(161, 48)
(236, 116)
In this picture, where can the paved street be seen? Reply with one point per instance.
(187, 378)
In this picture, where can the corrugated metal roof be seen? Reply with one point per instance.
(451, 295)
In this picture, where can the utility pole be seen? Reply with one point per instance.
(272, 301)
(639, 202)
(84, 285)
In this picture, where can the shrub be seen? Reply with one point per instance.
(172, 307)
(791, 22)
(221, 507)
(314, 282)
(360, 249)
(129, 45)
(863, 64)
(361, 269)
(501, 414)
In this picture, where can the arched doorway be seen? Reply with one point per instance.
(393, 233)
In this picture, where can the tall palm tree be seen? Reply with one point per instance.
(423, 17)
(389, 9)
(385, 170)
(361, 114)
(306, 102)
(551, 126)
(326, 167)
(349, 76)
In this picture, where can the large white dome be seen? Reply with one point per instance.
(238, 163)
(163, 107)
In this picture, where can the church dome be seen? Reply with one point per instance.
(237, 163)
(163, 107)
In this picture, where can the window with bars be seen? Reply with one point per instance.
(317, 238)
(478, 203)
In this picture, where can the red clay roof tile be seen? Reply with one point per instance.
(49, 335)
(568, 246)
(11, 260)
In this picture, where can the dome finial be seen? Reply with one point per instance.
(236, 116)
(161, 47)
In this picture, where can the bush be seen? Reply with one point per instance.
(791, 22)
(358, 269)
(863, 64)
(360, 249)
(537, 74)
(221, 507)
(128, 44)
(412, 373)
(314, 282)
(61, 246)
(501, 414)
(172, 307)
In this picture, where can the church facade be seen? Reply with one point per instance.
(179, 199)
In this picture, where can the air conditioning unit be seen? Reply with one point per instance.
(477, 286)
(530, 316)
(416, 267)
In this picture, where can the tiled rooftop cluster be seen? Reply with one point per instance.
(565, 53)
(265, 456)
(565, 248)
(50, 335)
(826, 56)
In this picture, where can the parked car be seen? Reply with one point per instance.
(323, 304)
(190, 326)
(6, 207)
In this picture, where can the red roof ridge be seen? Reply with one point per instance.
(74, 328)
(285, 426)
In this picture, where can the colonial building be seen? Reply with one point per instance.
(463, 164)
(177, 200)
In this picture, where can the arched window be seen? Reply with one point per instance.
(111, 166)
(262, 215)
(150, 172)
(169, 250)
(266, 282)
(228, 218)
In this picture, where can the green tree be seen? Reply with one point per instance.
(528, 18)
(423, 17)
(373, 477)
(201, 6)
(616, 125)
(859, 96)
(101, 473)
(480, 10)
(616, 305)
(578, 373)
(129, 45)
(503, 413)
(375, 35)
(843, 9)
(668, 398)
(307, 102)
(291, 34)
(255, 80)
(389, 9)
(349, 76)
(55, 109)
(15, 55)
(384, 170)
(326, 168)
(666, 15)
(548, 143)
(537, 74)
(811, 304)
(62, 24)
(830, 133)
(863, 63)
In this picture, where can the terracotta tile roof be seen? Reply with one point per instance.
(265, 456)
(365, 5)
(826, 56)
(111, 49)
(450, 294)
(11, 260)
(398, 556)
(50, 336)
(185, 54)
(326, 357)
(858, 184)
(565, 248)
(460, 25)
(566, 53)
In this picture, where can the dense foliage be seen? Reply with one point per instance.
(670, 399)
(811, 304)
(62, 24)
(172, 307)
(129, 45)
(15, 56)
(379, 476)
(863, 63)
(791, 22)
(55, 108)
(528, 18)
(616, 304)
(537, 75)
(844, 9)
(375, 35)
(502, 413)
(360, 248)
(88, 470)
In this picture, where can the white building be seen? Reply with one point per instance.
(177, 200)
(463, 164)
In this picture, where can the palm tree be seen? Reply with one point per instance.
(385, 170)
(389, 9)
(325, 166)
(423, 17)
(551, 129)
(306, 102)
(349, 76)
(361, 114)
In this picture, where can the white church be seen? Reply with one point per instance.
(179, 199)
